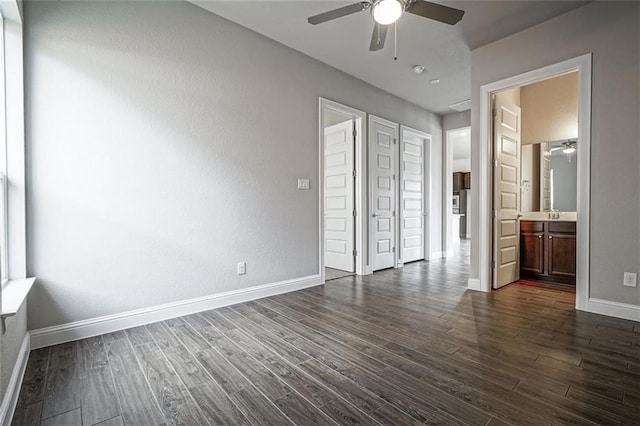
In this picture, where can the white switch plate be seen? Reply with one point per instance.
(303, 183)
(242, 268)
(630, 279)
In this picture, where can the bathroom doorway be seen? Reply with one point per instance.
(527, 236)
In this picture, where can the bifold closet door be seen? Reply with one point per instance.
(383, 138)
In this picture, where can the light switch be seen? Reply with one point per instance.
(303, 183)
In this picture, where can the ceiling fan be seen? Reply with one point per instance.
(387, 12)
(567, 146)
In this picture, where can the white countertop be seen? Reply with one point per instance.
(544, 216)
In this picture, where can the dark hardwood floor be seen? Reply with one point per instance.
(400, 347)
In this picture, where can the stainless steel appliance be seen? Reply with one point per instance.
(463, 205)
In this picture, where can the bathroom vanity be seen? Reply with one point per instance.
(548, 250)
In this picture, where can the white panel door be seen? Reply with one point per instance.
(413, 187)
(383, 136)
(339, 229)
(506, 193)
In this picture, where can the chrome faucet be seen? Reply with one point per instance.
(554, 214)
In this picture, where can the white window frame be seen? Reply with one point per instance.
(4, 256)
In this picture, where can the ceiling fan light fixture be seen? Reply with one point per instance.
(386, 12)
(569, 147)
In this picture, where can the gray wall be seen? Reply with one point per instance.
(163, 147)
(457, 120)
(609, 30)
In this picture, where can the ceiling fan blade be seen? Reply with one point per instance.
(378, 37)
(339, 13)
(437, 12)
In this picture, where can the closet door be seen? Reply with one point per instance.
(339, 195)
(413, 186)
(383, 137)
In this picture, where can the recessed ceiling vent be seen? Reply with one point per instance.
(461, 106)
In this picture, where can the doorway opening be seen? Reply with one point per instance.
(341, 138)
(458, 193)
(551, 106)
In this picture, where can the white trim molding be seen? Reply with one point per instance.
(10, 400)
(95, 326)
(614, 309)
(438, 255)
(582, 64)
(473, 284)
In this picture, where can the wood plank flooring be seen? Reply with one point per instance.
(400, 347)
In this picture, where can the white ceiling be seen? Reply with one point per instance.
(344, 43)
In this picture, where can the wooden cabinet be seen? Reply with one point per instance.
(457, 182)
(548, 251)
(531, 248)
(461, 181)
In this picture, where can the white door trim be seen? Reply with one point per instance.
(484, 182)
(361, 236)
(427, 197)
(372, 208)
(448, 188)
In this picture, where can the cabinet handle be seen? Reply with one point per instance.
(539, 237)
(550, 237)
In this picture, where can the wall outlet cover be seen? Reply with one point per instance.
(242, 268)
(630, 279)
(303, 184)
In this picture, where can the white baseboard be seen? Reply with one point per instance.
(614, 309)
(438, 255)
(10, 400)
(474, 284)
(93, 327)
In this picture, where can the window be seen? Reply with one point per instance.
(4, 273)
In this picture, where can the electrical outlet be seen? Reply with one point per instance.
(242, 268)
(630, 279)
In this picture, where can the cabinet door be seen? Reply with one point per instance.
(466, 181)
(532, 253)
(561, 255)
(457, 182)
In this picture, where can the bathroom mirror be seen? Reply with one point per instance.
(549, 176)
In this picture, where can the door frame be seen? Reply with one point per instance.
(448, 188)
(427, 206)
(360, 236)
(582, 64)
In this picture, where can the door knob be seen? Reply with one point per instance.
(374, 215)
